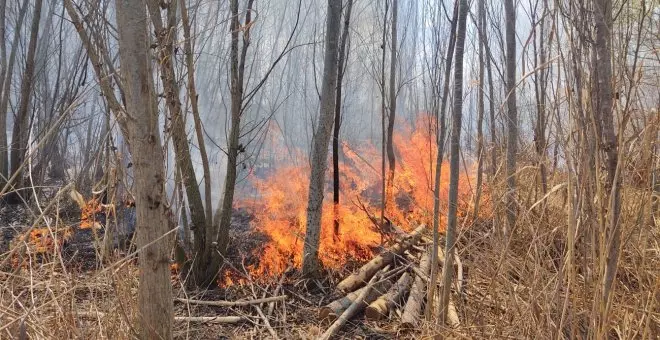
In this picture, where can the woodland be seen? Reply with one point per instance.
(336, 169)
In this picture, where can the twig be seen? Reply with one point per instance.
(233, 303)
(266, 323)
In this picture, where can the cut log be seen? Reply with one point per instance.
(334, 309)
(362, 276)
(380, 308)
(413, 308)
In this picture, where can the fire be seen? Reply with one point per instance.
(45, 240)
(281, 202)
(88, 214)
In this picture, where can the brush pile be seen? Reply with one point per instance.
(392, 285)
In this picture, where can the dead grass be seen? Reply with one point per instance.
(514, 289)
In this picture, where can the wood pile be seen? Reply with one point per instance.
(392, 285)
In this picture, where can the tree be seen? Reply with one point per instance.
(480, 107)
(605, 113)
(454, 163)
(320, 141)
(512, 115)
(343, 60)
(440, 142)
(155, 290)
(19, 138)
(6, 78)
(391, 159)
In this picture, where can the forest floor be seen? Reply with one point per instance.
(513, 293)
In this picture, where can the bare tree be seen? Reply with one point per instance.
(319, 154)
(454, 165)
(512, 114)
(19, 138)
(391, 159)
(155, 290)
(440, 142)
(341, 65)
(604, 112)
(7, 75)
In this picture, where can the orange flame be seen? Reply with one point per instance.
(281, 202)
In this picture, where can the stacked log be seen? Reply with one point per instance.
(393, 283)
(362, 276)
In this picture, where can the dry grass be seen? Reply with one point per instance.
(514, 288)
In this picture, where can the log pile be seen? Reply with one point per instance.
(392, 285)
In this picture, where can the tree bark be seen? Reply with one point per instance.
(19, 138)
(512, 115)
(343, 56)
(454, 166)
(321, 138)
(155, 291)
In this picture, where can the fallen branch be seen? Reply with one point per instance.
(359, 278)
(210, 319)
(266, 323)
(233, 303)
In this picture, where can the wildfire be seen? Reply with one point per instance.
(281, 202)
(44, 240)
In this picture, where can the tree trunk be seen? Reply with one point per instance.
(480, 109)
(321, 138)
(448, 269)
(438, 162)
(343, 56)
(192, 94)
(512, 115)
(165, 37)
(19, 133)
(391, 159)
(603, 16)
(217, 237)
(4, 102)
(155, 290)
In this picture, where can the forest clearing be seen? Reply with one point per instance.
(338, 169)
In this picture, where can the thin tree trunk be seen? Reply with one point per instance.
(4, 102)
(512, 115)
(19, 133)
(319, 159)
(480, 110)
(383, 116)
(165, 37)
(155, 290)
(603, 16)
(392, 116)
(217, 237)
(192, 94)
(343, 58)
(448, 268)
(438, 162)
